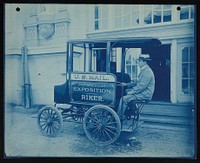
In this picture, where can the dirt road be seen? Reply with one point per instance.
(23, 138)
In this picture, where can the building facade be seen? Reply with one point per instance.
(43, 30)
(174, 25)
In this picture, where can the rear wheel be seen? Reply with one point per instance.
(50, 121)
(102, 125)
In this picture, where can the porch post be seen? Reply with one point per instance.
(108, 57)
(26, 97)
(173, 69)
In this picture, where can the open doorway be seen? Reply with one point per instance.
(160, 65)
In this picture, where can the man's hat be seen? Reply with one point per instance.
(145, 57)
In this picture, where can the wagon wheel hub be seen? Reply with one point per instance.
(49, 121)
(101, 126)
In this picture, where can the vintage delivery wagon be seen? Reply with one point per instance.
(95, 69)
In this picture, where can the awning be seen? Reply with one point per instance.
(127, 42)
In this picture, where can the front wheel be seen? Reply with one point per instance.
(102, 125)
(50, 121)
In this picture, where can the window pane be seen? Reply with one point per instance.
(191, 54)
(192, 72)
(157, 13)
(192, 12)
(147, 17)
(185, 71)
(128, 68)
(96, 25)
(96, 10)
(157, 17)
(192, 86)
(185, 88)
(167, 16)
(184, 13)
(128, 59)
(185, 54)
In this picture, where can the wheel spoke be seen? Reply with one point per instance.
(105, 117)
(108, 134)
(55, 118)
(110, 118)
(56, 125)
(111, 127)
(48, 113)
(96, 117)
(106, 129)
(53, 115)
(90, 127)
(54, 129)
(91, 118)
(91, 123)
(96, 129)
(97, 134)
(44, 113)
(44, 118)
(48, 129)
(42, 125)
(102, 125)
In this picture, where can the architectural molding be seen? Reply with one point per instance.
(170, 30)
(49, 28)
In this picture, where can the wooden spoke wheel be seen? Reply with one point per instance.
(50, 121)
(102, 125)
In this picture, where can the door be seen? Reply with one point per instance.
(160, 65)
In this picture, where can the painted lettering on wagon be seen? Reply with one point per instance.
(93, 77)
(93, 92)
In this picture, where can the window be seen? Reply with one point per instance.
(157, 13)
(131, 65)
(186, 12)
(78, 56)
(100, 17)
(188, 72)
(126, 16)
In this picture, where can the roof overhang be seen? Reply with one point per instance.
(128, 42)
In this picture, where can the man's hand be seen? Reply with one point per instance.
(132, 84)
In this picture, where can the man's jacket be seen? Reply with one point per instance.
(145, 85)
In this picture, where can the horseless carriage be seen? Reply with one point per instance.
(93, 89)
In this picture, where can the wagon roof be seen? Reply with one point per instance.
(120, 40)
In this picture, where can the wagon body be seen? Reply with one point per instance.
(92, 92)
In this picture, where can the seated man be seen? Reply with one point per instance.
(140, 90)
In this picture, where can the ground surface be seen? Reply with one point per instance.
(23, 138)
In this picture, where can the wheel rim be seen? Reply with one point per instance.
(102, 125)
(49, 121)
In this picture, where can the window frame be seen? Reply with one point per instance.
(189, 12)
(99, 20)
(188, 64)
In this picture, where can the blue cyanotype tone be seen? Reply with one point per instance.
(100, 80)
